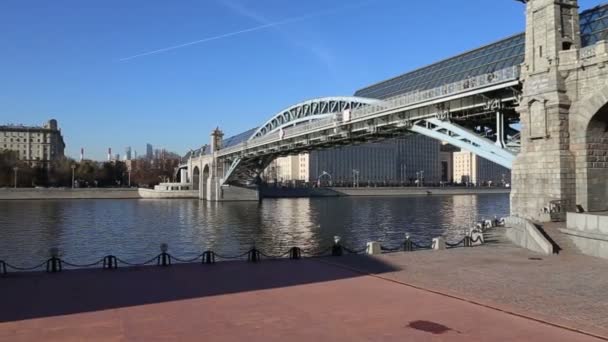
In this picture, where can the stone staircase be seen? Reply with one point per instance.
(562, 244)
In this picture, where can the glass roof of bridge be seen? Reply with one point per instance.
(502, 54)
(594, 25)
(239, 138)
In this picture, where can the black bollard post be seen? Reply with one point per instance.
(2, 267)
(407, 244)
(110, 262)
(336, 249)
(208, 257)
(164, 258)
(295, 253)
(254, 255)
(54, 265)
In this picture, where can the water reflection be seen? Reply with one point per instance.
(86, 230)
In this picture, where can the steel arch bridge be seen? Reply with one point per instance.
(448, 113)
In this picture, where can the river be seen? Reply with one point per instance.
(86, 230)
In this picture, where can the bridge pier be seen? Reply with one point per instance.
(564, 116)
(207, 170)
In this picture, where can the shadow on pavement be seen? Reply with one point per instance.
(36, 295)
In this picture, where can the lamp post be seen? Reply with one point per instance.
(16, 170)
(420, 178)
(129, 172)
(73, 168)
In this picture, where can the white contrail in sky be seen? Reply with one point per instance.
(251, 29)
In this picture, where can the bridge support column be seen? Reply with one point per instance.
(500, 129)
(544, 170)
(214, 193)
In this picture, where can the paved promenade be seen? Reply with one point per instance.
(315, 299)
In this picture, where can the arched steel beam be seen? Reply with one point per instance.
(465, 139)
(310, 110)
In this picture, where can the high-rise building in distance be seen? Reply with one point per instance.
(128, 153)
(149, 151)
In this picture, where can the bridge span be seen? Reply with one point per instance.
(550, 81)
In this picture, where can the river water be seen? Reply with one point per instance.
(86, 230)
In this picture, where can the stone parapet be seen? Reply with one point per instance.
(524, 233)
(589, 233)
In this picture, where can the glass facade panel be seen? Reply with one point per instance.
(505, 53)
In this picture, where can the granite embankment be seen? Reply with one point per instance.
(271, 192)
(91, 193)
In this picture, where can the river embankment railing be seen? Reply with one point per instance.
(55, 263)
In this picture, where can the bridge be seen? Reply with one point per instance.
(550, 80)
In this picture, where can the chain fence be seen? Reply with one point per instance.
(56, 264)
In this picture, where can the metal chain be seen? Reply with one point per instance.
(25, 268)
(136, 264)
(187, 260)
(317, 253)
(280, 256)
(461, 242)
(83, 265)
(358, 251)
(219, 256)
(388, 249)
(421, 246)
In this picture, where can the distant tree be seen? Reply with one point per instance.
(60, 172)
(8, 160)
(86, 172)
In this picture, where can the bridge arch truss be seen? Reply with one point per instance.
(310, 110)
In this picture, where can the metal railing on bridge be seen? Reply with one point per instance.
(415, 97)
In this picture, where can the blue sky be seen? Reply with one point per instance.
(73, 60)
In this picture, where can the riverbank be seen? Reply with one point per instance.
(268, 192)
(90, 193)
(272, 192)
(455, 295)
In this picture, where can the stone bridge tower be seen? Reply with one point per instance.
(563, 115)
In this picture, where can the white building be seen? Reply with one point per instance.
(37, 145)
(470, 168)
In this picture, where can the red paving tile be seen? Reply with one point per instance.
(273, 301)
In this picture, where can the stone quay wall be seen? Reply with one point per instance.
(90, 193)
(271, 192)
(418, 191)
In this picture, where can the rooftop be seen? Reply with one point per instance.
(51, 124)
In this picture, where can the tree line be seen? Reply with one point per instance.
(88, 173)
